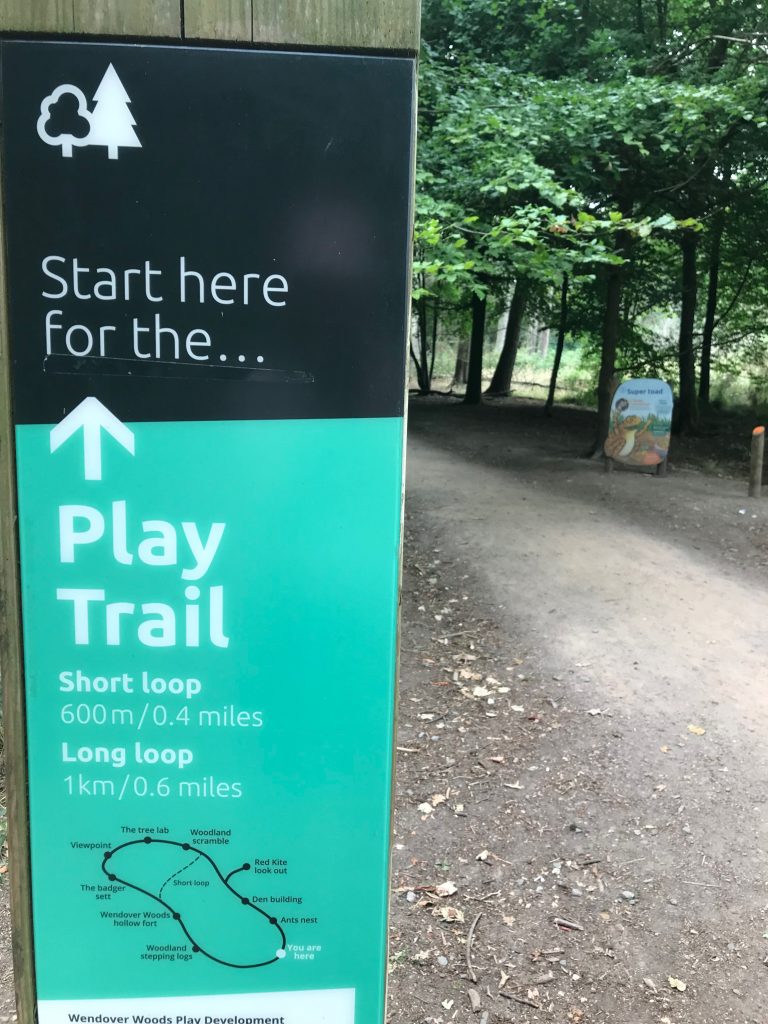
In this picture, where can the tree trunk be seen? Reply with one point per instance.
(610, 334)
(661, 20)
(501, 328)
(717, 58)
(688, 413)
(709, 318)
(501, 382)
(474, 393)
(435, 314)
(420, 358)
(561, 331)
(462, 365)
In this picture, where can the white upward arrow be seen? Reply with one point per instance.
(93, 417)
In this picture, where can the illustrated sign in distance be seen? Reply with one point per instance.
(207, 275)
(641, 422)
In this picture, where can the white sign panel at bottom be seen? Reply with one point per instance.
(319, 1006)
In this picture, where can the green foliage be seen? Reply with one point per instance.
(572, 136)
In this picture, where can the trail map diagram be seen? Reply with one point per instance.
(219, 921)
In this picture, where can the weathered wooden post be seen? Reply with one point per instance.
(756, 462)
(203, 308)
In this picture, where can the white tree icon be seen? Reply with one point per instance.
(64, 139)
(111, 120)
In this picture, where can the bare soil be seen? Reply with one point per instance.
(584, 700)
(581, 767)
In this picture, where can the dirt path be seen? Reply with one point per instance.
(636, 608)
(647, 579)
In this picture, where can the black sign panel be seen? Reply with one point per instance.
(205, 234)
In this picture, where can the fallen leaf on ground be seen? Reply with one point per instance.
(446, 889)
(437, 799)
(449, 914)
(696, 730)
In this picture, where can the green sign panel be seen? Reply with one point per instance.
(207, 296)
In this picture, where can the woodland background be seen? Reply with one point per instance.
(592, 194)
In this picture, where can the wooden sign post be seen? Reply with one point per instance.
(204, 292)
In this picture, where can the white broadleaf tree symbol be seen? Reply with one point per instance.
(66, 140)
(111, 120)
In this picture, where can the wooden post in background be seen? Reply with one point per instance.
(355, 25)
(756, 462)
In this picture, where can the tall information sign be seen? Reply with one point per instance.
(207, 255)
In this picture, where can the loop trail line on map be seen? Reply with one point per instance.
(159, 864)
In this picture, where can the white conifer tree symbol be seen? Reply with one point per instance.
(111, 120)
